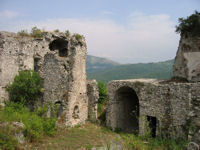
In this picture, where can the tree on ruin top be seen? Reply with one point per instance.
(189, 25)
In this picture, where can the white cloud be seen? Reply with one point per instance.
(7, 14)
(108, 12)
(145, 38)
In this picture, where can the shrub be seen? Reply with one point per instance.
(56, 30)
(67, 33)
(102, 92)
(101, 111)
(78, 37)
(37, 33)
(23, 33)
(189, 25)
(25, 88)
(7, 140)
(35, 125)
(49, 125)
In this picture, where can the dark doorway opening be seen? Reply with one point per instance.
(61, 45)
(36, 66)
(127, 110)
(59, 107)
(152, 125)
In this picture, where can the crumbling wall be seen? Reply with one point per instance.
(175, 106)
(187, 64)
(93, 96)
(59, 60)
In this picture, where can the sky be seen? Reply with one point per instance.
(126, 31)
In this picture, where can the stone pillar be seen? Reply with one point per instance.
(93, 96)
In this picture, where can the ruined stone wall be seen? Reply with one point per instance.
(187, 64)
(59, 60)
(174, 105)
(93, 96)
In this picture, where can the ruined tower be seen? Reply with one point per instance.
(61, 62)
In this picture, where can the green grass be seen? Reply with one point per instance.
(140, 143)
(90, 135)
(35, 125)
(79, 137)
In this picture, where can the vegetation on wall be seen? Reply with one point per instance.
(23, 33)
(39, 33)
(191, 25)
(78, 37)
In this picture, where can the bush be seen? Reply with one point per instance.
(7, 140)
(25, 88)
(49, 125)
(37, 33)
(101, 111)
(56, 31)
(102, 92)
(67, 33)
(189, 25)
(23, 33)
(35, 125)
(78, 37)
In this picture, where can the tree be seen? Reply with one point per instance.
(102, 92)
(189, 25)
(25, 88)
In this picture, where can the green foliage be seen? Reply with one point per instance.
(78, 37)
(102, 101)
(132, 141)
(7, 139)
(23, 33)
(49, 125)
(56, 30)
(189, 25)
(36, 124)
(36, 32)
(67, 33)
(26, 87)
(102, 92)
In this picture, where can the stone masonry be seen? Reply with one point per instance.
(187, 64)
(59, 60)
(134, 104)
(161, 108)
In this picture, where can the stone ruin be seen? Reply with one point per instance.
(166, 108)
(61, 62)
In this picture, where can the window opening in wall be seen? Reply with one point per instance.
(152, 125)
(61, 45)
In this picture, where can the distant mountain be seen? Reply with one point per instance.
(159, 70)
(96, 63)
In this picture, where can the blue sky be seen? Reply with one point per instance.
(127, 31)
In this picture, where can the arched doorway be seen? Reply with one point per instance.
(127, 110)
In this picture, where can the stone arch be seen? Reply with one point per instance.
(61, 45)
(127, 110)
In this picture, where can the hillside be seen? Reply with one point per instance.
(159, 70)
(95, 63)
